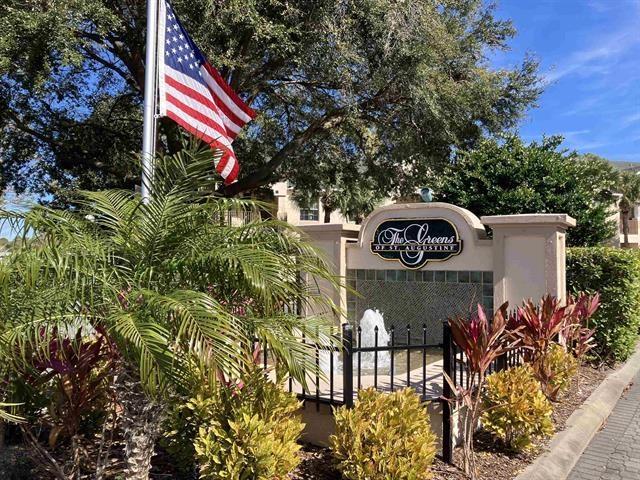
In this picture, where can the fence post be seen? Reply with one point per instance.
(501, 362)
(347, 362)
(448, 363)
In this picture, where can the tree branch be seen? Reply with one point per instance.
(321, 126)
(133, 62)
(21, 125)
(111, 66)
(263, 176)
(236, 74)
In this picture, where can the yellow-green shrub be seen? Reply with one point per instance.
(385, 436)
(555, 370)
(515, 408)
(247, 433)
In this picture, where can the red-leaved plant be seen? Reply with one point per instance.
(540, 326)
(482, 342)
(577, 337)
(78, 368)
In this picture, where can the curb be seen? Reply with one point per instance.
(567, 446)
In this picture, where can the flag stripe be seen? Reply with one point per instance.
(229, 115)
(228, 164)
(233, 96)
(199, 129)
(226, 95)
(197, 115)
(202, 97)
(188, 96)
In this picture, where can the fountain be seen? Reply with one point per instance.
(372, 325)
(372, 321)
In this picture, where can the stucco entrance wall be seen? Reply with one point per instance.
(381, 261)
(530, 255)
(418, 290)
(524, 259)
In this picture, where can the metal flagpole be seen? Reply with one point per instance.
(149, 110)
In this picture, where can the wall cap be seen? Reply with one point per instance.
(530, 219)
(329, 227)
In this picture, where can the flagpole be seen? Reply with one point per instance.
(149, 109)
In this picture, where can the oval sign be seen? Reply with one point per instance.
(416, 241)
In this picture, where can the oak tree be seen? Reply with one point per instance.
(383, 89)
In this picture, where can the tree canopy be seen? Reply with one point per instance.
(344, 89)
(511, 177)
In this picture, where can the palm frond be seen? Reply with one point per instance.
(182, 280)
(8, 416)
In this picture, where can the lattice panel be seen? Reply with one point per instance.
(418, 301)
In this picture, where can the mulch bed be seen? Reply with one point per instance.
(493, 462)
(317, 464)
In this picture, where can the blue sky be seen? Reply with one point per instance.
(589, 51)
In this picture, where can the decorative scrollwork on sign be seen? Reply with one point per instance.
(414, 242)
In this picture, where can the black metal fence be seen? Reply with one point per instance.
(400, 363)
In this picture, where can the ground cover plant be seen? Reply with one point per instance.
(181, 294)
(384, 436)
(247, 429)
(556, 370)
(516, 411)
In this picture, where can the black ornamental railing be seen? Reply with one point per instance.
(340, 373)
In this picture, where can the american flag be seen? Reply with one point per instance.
(193, 94)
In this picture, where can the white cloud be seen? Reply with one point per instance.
(605, 50)
(602, 6)
(594, 59)
(581, 140)
(574, 133)
(599, 6)
(630, 119)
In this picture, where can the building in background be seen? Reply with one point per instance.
(289, 210)
(633, 219)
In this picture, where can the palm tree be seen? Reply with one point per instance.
(181, 288)
(629, 187)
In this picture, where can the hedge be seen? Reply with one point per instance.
(615, 273)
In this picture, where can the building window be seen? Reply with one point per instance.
(311, 213)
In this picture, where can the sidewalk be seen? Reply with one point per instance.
(614, 453)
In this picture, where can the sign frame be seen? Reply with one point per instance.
(420, 220)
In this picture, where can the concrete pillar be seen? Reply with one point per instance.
(331, 239)
(529, 256)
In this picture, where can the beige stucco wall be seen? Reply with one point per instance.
(331, 240)
(525, 273)
(320, 423)
(530, 256)
(527, 254)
